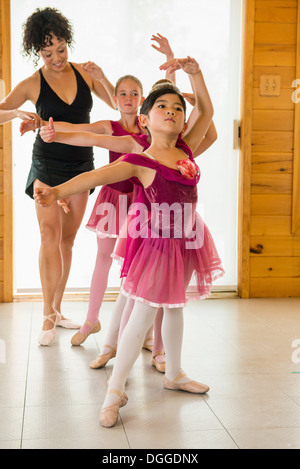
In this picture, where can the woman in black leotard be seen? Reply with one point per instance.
(60, 162)
(63, 90)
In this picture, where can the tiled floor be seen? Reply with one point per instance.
(50, 398)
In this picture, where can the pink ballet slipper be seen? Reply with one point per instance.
(46, 337)
(109, 415)
(148, 344)
(189, 386)
(79, 338)
(103, 359)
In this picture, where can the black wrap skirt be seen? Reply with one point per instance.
(55, 172)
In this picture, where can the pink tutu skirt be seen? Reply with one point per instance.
(109, 212)
(120, 251)
(164, 272)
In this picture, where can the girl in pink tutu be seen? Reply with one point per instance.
(124, 305)
(127, 99)
(177, 246)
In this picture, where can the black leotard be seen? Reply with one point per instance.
(55, 163)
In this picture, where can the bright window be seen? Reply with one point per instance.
(116, 35)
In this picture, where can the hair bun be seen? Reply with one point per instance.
(165, 83)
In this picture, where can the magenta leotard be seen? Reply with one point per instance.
(110, 194)
(165, 264)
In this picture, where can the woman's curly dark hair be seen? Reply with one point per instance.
(38, 30)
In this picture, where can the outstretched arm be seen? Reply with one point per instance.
(99, 127)
(45, 196)
(124, 144)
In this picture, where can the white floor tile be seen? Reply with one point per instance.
(50, 398)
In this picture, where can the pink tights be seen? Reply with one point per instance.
(99, 279)
(123, 306)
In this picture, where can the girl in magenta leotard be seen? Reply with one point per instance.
(161, 270)
(128, 96)
(127, 99)
(124, 304)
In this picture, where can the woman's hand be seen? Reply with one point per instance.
(47, 132)
(188, 65)
(93, 70)
(44, 196)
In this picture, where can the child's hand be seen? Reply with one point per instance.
(47, 132)
(31, 121)
(63, 203)
(30, 115)
(44, 196)
(163, 45)
(93, 70)
(190, 97)
(27, 126)
(188, 65)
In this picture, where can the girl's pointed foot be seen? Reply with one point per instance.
(159, 362)
(188, 386)
(103, 359)
(148, 344)
(79, 338)
(109, 415)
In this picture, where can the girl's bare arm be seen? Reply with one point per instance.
(123, 144)
(203, 103)
(45, 196)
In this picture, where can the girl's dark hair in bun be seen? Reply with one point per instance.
(158, 91)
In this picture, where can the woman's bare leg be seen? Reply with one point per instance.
(50, 259)
(70, 224)
(58, 231)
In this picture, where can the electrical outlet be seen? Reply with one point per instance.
(269, 85)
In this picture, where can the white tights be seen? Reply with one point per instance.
(122, 305)
(132, 339)
(118, 321)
